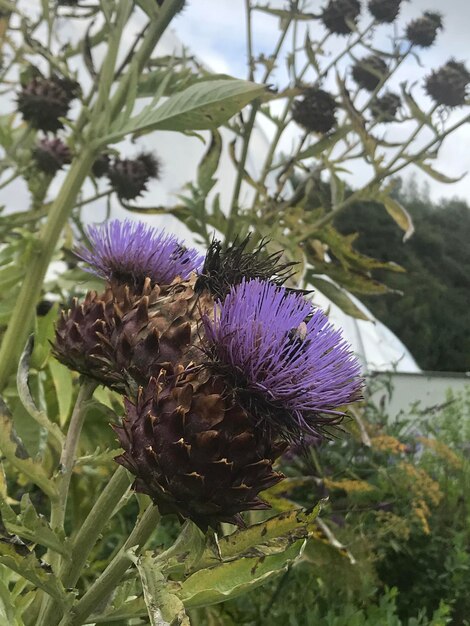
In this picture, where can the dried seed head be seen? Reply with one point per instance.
(449, 84)
(340, 16)
(101, 165)
(384, 11)
(422, 32)
(129, 177)
(315, 111)
(369, 72)
(43, 101)
(224, 268)
(50, 155)
(385, 108)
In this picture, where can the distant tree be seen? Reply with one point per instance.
(431, 314)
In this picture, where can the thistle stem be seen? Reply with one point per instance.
(87, 536)
(112, 575)
(247, 136)
(23, 312)
(94, 524)
(67, 460)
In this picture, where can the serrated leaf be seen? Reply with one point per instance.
(164, 607)
(15, 452)
(229, 580)
(32, 527)
(24, 562)
(203, 106)
(338, 296)
(325, 143)
(442, 178)
(415, 110)
(399, 214)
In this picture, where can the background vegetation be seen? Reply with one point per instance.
(429, 309)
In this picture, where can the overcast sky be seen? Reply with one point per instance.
(215, 31)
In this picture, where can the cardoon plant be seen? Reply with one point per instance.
(128, 252)
(283, 358)
(222, 361)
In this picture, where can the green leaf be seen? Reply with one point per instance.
(150, 82)
(229, 580)
(338, 296)
(442, 178)
(209, 164)
(289, 526)
(325, 143)
(32, 527)
(163, 606)
(21, 560)
(203, 106)
(399, 214)
(63, 383)
(43, 336)
(11, 276)
(415, 110)
(27, 399)
(13, 449)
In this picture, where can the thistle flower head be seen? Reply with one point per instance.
(369, 72)
(422, 32)
(51, 155)
(448, 85)
(224, 268)
(283, 354)
(315, 111)
(129, 177)
(127, 252)
(44, 100)
(340, 16)
(101, 165)
(384, 11)
(384, 108)
(195, 452)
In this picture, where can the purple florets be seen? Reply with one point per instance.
(285, 351)
(128, 252)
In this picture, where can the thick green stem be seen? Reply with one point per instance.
(23, 312)
(67, 461)
(152, 36)
(87, 536)
(94, 524)
(113, 574)
(67, 458)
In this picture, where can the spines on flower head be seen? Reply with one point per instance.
(369, 72)
(384, 11)
(448, 85)
(285, 358)
(128, 252)
(224, 268)
(340, 16)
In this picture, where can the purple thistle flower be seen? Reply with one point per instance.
(278, 346)
(128, 252)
